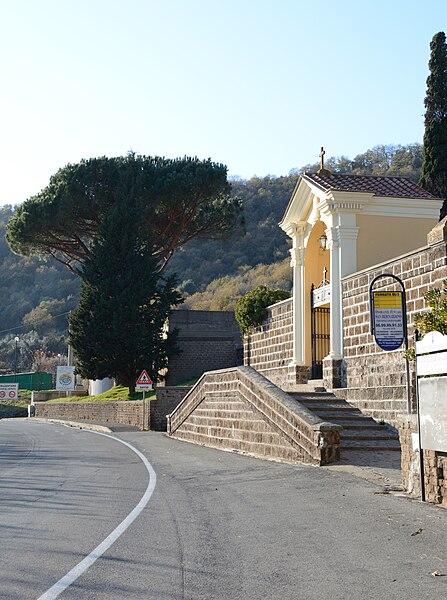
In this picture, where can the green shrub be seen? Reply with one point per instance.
(436, 318)
(251, 308)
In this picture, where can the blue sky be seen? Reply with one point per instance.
(256, 85)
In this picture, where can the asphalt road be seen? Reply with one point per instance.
(217, 525)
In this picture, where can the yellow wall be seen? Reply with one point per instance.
(383, 238)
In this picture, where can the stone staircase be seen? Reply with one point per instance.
(359, 431)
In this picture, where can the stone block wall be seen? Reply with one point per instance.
(208, 340)
(135, 413)
(377, 379)
(167, 399)
(147, 414)
(269, 348)
(240, 410)
(50, 395)
(435, 465)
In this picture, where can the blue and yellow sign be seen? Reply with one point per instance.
(388, 315)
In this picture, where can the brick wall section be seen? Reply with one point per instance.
(168, 398)
(435, 466)
(127, 413)
(240, 410)
(208, 340)
(201, 355)
(150, 416)
(376, 379)
(269, 349)
(50, 395)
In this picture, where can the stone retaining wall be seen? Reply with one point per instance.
(371, 379)
(148, 415)
(135, 413)
(207, 340)
(435, 465)
(377, 378)
(269, 348)
(168, 398)
(53, 394)
(240, 410)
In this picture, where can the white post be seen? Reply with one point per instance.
(297, 264)
(336, 343)
(342, 242)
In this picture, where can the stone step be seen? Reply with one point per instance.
(360, 432)
(374, 434)
(311, 385)
(314, 394)
(330, 406)
(335, 416)
(361, 425)
(371, 445)
(321, 399)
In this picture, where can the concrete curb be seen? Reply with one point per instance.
(79, 424)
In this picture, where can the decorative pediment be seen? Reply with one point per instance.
(322, 195)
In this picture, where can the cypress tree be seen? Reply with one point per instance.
(434, 156)
(117, 329)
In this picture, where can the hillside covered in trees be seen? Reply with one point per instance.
(35, 296)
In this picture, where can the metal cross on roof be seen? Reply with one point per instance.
(322, 153)
(322, 171)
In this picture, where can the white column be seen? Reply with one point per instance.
(347, 233)
(336, 343)
(297, 263)
(342, 242)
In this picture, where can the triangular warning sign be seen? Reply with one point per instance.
(144, 378)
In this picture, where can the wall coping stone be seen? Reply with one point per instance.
(438, 233)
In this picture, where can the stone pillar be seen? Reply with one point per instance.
(297, 264)
(342, 242)
(298, 372)
(336, 345)
(333, 363)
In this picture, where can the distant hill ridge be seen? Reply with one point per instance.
(36, 295)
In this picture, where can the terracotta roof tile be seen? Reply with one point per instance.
(380, 185)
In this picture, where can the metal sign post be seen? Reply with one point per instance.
(388, 318)
(144, 382)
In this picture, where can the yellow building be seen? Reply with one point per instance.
(340, 224)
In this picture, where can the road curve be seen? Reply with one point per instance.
(218, 525)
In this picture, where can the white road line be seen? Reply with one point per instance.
(88, 561)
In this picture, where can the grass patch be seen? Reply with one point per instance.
(118, 392)
(13, 408)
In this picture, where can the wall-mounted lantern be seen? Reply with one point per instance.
(323, 241)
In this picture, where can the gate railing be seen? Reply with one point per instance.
(320, 325)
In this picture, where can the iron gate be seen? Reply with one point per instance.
(320, 332)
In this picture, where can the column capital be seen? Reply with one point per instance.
(347, 233)
(337, 235)
(332, 238)
(296, 255)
